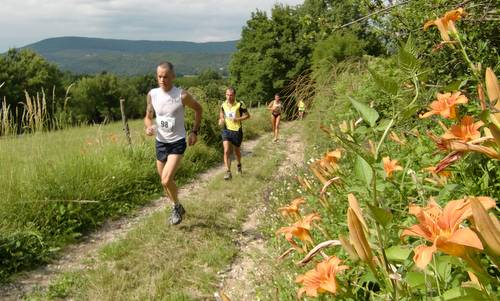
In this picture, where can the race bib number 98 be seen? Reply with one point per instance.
(166, 123)
(231, 115)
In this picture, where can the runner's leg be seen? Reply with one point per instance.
(278, 120)
(237, 152)
(168, 170)
(227, 154)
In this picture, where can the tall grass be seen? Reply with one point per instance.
(35, 115)
(59, 185)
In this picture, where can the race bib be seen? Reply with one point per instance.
(166, 123)
(230, 115)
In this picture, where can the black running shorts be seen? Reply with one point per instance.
(175, 148)
(235, 137)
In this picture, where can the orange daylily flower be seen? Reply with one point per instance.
(295, 231)
(445, 105)
(299, 230)
(390, 166)
(309, 219)
(446, 23)
(443, 228)
(293, 208)
(322, 278)
(466, 130)
(329, 161)
(324, 167)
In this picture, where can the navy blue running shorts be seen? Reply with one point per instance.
(175, 148)
(235, 137)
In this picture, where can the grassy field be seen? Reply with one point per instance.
(57, 186)
(157, 262)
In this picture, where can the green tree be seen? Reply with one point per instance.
(274, 51)
(25, 70)
(250, 66)
(97, 99)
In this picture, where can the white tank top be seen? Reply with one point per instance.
(169, 112)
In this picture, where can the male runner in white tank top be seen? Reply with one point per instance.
(167, 103)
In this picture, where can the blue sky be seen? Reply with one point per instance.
(24, 22)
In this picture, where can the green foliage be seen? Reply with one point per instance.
(96, 99)
(274, 51)
(477, 27)
(337, 47)
(24, 71)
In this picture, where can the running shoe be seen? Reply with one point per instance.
(177, 213)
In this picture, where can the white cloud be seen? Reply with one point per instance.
(28, 21)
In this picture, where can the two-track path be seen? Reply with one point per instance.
(237, 281)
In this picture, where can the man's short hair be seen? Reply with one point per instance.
(231, 89)
(167, 65)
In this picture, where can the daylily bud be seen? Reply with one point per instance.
(357, 237)
(482, 99)
(492, 87)
(349, 248)
(487, 226)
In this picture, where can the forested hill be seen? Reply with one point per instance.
(127, 57)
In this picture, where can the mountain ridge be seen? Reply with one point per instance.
(86, 55)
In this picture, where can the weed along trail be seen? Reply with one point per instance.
(240, 280)
(143, 258)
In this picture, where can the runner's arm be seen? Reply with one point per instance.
(221, 116)
(189, 101)
(148, 119)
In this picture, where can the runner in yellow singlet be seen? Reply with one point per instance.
(231, 114)
(302, 108)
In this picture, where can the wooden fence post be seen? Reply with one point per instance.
(124, 120)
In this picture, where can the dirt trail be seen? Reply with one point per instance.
(239, 281)
(80, 256)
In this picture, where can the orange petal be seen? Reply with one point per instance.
(423, 255)
(418, 231)
(466, 237)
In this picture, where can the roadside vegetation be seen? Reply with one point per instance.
(397, 199)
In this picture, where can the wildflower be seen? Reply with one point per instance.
(329, 161)
(445, 105)
(296, 230)
(465, 131)
(324, 167)
(322, 278)
(446, 23)
(299, 230)
(442, 228)
(390, 166)
(293, 208)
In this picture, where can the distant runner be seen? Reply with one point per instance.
(275, 106)
(302, 108)
(231, 114)
(167, 103)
